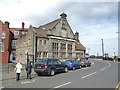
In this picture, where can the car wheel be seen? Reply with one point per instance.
(74, 68)
(52, 72)
(66, 69)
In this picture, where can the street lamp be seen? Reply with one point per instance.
(102, 48)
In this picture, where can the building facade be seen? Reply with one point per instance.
(8, 37)
(52, 40)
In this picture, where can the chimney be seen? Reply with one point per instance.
(23, 25)
(63, 15)
(7, 23)
(77, 36)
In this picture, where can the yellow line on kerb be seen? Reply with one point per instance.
(117, 86)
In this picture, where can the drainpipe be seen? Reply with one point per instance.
(34, 46)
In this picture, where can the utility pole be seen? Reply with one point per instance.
(102, 48)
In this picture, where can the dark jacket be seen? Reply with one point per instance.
(29, 68)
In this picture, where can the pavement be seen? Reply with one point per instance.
(12, 75)
(101, 74)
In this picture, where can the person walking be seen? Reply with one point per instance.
(18, 70)
(29, 70)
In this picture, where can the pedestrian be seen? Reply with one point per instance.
(18, 70)
(29, 70)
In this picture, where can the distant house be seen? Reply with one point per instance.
(52, 40)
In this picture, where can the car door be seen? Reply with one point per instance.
(60, 65)
(77, 64)
(74, 63)
(55, 64)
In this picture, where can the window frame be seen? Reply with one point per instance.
(2, 47)
(16, 31)
(3, 35)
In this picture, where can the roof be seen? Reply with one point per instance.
(49, 25)
(79, 46)
(41, 32)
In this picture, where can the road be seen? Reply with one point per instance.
(102, 74)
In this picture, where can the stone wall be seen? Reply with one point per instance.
(24, 44)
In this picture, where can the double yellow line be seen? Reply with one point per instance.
(117, 86)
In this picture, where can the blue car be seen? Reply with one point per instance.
(73, 64)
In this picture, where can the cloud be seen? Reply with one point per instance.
(93, 20)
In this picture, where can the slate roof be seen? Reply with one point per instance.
(49, 25)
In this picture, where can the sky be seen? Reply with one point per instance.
(93, 20)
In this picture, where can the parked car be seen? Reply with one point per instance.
(85, 63)
(73, 64)
(50, 66)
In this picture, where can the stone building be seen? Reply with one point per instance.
(52, 40)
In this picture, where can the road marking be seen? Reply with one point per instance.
(89, 75)
(103, 69)
(117, 86)
(62, 85)
(109, 64)
(26, 82)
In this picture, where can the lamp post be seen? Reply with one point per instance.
(102, 48)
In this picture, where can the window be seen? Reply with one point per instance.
(3, 35)
(16, 32)
(54, 49)
(45, 54)
(0, 41)
(2, 47)
(77, 54)
(63, 25)
(13, 53)
(13, 44)
(45, 42)
(23, 32)
(40, 42)
(39, 54)
(69, 47)
(63, 50)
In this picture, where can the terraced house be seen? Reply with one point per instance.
(52, 40)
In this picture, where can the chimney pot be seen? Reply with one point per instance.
(7, 23)
(23, 25)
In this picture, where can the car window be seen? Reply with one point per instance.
(55, 62)
(59, 62)
(74, 61)
(49, 62)
(68, 61)
(41, 62)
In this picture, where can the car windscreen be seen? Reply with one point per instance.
(41, 62)
(68, 61)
